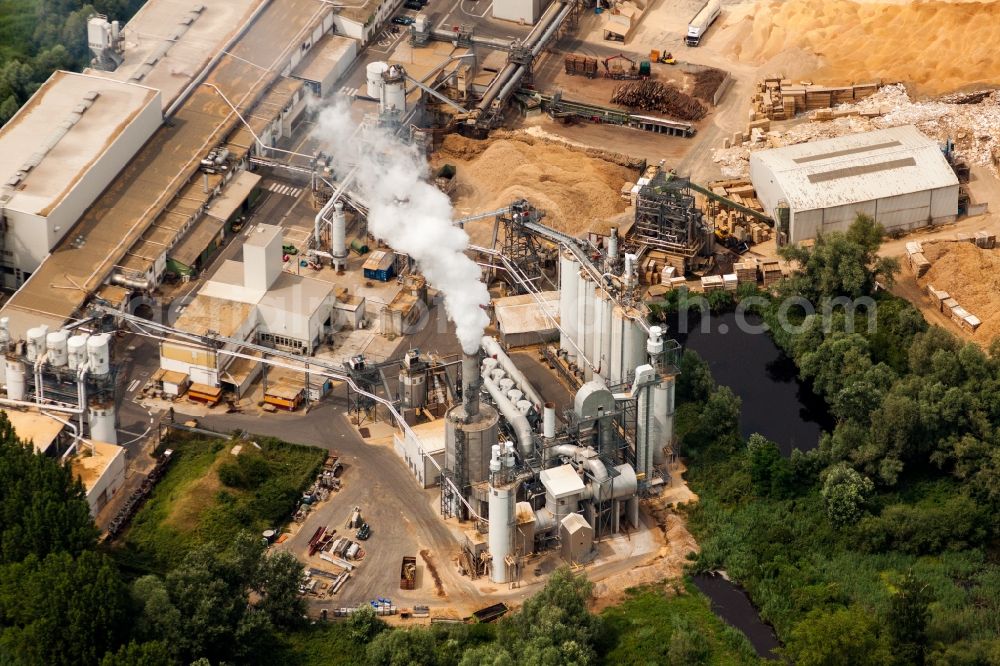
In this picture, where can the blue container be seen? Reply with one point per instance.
(598, 10)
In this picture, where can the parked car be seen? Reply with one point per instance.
(403, 20)
(364, 532)
(413, 4)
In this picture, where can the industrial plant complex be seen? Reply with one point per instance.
(444, 230)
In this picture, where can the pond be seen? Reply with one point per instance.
(732, 604)
(776, 403)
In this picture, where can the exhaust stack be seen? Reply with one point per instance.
(471, 384)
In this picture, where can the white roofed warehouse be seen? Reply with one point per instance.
(897, 176)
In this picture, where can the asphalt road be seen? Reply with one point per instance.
(403, 517)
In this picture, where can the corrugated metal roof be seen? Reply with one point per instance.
(856, 168)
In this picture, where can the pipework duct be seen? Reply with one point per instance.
(517, 420)
(493, 348)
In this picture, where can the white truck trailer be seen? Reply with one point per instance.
(704, 18)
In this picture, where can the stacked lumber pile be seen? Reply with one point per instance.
(649, 95)
(780, 99)
(581, 65)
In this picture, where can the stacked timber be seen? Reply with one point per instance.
(779, 99)
(712, 283)
(746, 272)
(730, 282)
(771, 272)
(580, 65)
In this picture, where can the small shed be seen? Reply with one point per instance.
(577, 538)
(380, 266)
(172, 382)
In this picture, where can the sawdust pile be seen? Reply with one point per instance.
(933, 46)
(971, 276)
(578, 192)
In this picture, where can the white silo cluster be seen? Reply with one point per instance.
(599, 336)
(387, 84)
(65, 356)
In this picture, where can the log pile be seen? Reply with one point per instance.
(649, 95)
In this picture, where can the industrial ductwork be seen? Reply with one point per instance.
(493, 348)
(517, 420)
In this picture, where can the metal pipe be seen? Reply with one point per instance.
(81, 377)
(517, 420)
(51, 408)
(493, 348)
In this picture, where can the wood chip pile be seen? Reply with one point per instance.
(706, 82)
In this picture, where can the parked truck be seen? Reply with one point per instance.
(702, 20)
(408, 573)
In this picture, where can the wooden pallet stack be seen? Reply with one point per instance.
(580, 65)
(771, 272)
(746, 271)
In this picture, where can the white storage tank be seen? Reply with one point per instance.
(36, 342)
(99, 354)
(393, 90)
(102, 422)
(55, 345)
(501, 530)
(14, 371)
(76, 351)
(373, 74)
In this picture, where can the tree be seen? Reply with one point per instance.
(43, 509)
(695, 383)
(845, 493)
(688, 646)
(842, 263)
(718, 424)
(61, 610)
(154, 653)
(277, 585)
(364, 625)
(908, 615)
(402, 648)
(554, 626)
(835, 638)
(770, 472)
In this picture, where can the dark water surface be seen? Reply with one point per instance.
(733, 605)
(775, 403)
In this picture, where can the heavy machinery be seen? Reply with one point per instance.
(663, 57)
(621, 67)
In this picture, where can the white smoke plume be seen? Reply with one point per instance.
(409, 214)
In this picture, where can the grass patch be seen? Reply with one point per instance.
(321, 644)
(656, 627)
(208, 496)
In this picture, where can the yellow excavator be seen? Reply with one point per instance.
(665, 57)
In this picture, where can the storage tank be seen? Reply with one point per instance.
(393, 90)
(583, 325)
(618, 335)
(36, 342)
(569, 272)
(102, 422)
(76, 354)
(373, 75)
(99, 354)
(663, 416)
(414, 389)
(14, 371)
(338, 236)
(600, 333)
(501, 529)
(56, 347)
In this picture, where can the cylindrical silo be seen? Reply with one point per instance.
(338, 236)
(35, 342)
(549, 420)
(501, 529)
(393, 90)
(663, 406)
(76, 351)
(617, 345)
(581, 316)
(600, 333)
(637, 352)
(569, 271)
(588, 342)
(373, 75)
(99, 354)
(102, 422)
(14, 370)
(56, 348)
